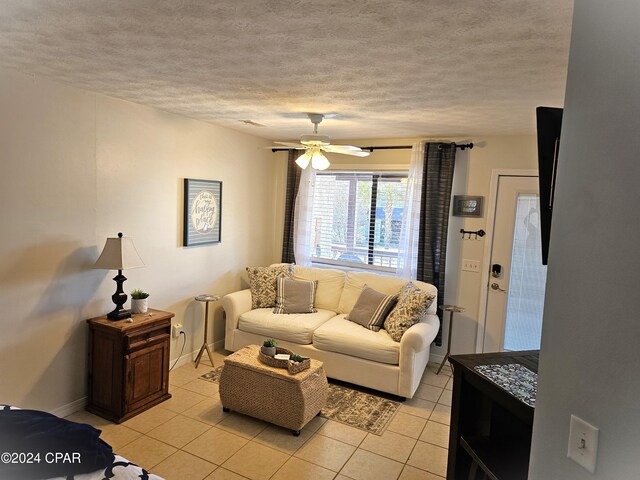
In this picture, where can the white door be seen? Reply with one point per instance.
(516, 282)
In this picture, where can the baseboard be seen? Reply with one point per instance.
(69, 408)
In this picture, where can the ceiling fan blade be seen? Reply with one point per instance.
(345, 150)
(290, 144)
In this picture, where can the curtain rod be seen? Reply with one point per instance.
(461, 146)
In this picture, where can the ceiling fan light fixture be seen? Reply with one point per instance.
(303, 160)
(319, 161)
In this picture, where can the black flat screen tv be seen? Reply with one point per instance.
(549, 124)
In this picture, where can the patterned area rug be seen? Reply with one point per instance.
(361, 410)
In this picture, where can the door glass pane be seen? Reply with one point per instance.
(523, 324)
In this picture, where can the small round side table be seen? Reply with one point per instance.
(451, 309)
(205, 346)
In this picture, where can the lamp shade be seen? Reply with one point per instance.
(319, 161)
(119, 254)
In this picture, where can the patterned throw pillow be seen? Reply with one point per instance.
(295, 296)
(371, 308)
(262, 281)
(411, 307)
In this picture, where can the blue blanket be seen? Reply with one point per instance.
(37, 445)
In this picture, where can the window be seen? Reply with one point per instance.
(357, 217)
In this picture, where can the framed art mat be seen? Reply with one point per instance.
(202, 212)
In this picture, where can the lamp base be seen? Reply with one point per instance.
(119, 314)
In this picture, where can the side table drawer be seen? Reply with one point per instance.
(144, 338)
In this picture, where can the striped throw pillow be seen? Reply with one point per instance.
(295, 296)
(371, 308)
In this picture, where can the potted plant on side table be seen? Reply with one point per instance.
(139, 301)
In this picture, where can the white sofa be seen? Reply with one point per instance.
(350, 352)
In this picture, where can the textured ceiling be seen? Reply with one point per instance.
(389, 68)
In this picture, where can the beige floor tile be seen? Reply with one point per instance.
(418, 407)
(315, 423)
(215, 445)
(326, 452)
(182, 466)
(431, 378)
(182, 375)
(224, 474)
(282, 439)
(118, 435)
(82, 416)
(445, 398)
(441, 414)
(365, 465)
(408, 425)
(179, 431)
(152, 418)
(182, 400)
(242, 425)
(203, 387)
(342, 477)
(436, 433)
(146, 452)
(344, 433)
(389, 444)
(208, 411)
(298, 469)
(413, 473)
(430, 458)
(446, 369)
(428, 392)
(449, 385)
(256, 461)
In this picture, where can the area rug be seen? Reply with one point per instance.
(361, 410)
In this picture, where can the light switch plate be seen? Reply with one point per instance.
(470, 265)
(583, 443)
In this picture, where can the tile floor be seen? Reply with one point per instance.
(189, 438)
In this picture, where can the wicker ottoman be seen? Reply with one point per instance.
(272, 394)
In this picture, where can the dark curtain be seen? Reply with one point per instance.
(437, 178)
(293, 183)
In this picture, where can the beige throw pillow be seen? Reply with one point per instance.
(371, 308)
(411, 307)
(295, 296)
(262, 281)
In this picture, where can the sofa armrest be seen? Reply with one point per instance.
(415, 348)
(420, 335)
(234, 305)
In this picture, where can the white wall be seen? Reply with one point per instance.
(77, 167)
(591, 332)
(472, 177)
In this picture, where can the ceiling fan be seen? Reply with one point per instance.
(315, 144)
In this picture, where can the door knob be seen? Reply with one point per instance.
(495, 286)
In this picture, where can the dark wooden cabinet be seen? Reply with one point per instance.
(128, 364)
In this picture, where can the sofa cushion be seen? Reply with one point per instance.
(412, 305)
(262, 281)
(295, 296)
(330, 284)
(296, 328)
(386, 284)
(342, 336)
(372, 308)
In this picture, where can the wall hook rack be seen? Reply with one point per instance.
(476, 233)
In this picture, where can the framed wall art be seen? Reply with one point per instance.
(202, 212)
(467, 206)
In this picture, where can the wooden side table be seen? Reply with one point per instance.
(205, 346)
(128, 364)
(451, 309)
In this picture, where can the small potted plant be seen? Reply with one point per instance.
(269, 347)
(139, 301)
(298, 363)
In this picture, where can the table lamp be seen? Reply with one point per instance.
(119, 254)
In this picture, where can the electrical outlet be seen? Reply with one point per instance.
(176, 329)
(583, 443)
(471, 265)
